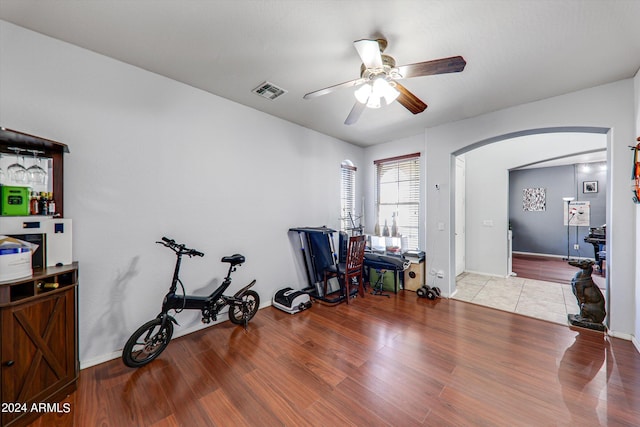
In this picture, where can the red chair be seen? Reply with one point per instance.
(350, 272)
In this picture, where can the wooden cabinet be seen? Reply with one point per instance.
(39, 341)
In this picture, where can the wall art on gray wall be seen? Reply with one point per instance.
(534, 199)
(590, 187)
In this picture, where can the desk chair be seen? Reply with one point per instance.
(351, 270)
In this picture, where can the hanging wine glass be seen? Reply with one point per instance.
(36, 174)
(17, 172)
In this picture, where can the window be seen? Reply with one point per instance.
(398, 196)
(347, 195)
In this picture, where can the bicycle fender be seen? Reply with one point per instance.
(243, 290)
(164, 317)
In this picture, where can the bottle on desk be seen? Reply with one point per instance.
(385, 230)
(394, 226)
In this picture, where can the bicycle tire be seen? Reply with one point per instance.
(155, 339)
(235, 312)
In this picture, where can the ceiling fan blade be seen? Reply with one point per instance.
(409, 100)
(350, 83)
(453, 64)
(355, 113)
(369, 51)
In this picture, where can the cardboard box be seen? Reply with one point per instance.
(15, 258)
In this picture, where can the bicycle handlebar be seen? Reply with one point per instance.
(179, 248)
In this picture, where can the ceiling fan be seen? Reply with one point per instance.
(379, 79)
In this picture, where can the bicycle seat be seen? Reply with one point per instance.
(234, 259)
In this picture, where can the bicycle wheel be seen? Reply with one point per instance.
(147, 343)
(253, 304)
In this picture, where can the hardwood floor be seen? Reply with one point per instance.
(399, 361)
(548, 269)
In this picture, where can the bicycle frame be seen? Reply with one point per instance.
(209, 305)
(150, 339)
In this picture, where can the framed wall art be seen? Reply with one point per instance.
(590, 186)
(534, 199)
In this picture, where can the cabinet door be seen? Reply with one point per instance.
(38, 348)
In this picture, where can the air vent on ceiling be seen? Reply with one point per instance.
(269, 90)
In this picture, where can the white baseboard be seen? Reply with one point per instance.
(482, 273)
(100, 359)
(636, 343)
(621, 335)
(117, 354)
(178, 333)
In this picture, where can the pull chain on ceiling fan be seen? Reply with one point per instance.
(378, 79)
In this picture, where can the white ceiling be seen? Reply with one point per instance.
(517, 51)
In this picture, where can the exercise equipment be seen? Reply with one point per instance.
(428, 292)
(318, 253)
(291, 301)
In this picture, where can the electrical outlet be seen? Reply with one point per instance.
(576, 246)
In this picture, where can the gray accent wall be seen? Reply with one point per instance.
(544, 232)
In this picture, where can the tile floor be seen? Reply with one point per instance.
(534, 298)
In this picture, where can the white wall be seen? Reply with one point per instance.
(607, 107)
(487, 189)
(152, 157)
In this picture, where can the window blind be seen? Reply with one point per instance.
(398, 195)
(347, 195)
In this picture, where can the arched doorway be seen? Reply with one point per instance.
(487, 164)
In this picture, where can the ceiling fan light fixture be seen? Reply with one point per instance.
(378, 75)
(363, 93)
(373, 102)
(371, 94)
(384, 90)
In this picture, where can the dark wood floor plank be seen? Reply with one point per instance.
(281, 402)
(321, 414)
(223, 411)
(379, 362)
(380, 381)
(548, 269)
(355, 393)
(351, 409)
